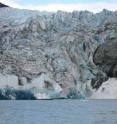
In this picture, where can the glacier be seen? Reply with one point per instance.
(51, 55)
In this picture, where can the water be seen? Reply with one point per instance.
(59, 112)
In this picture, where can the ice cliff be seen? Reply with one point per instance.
(53, 55)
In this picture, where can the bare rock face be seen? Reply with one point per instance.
(51, 54)
(106, 57)
(105, 54)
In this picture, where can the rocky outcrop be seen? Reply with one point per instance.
(106, 57)
(50, 55)
(3, 5)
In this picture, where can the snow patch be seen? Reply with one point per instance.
(108, 90)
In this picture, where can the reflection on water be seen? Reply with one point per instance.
(59, 112)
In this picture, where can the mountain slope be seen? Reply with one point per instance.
(3, 5)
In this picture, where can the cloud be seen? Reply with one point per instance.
(94, 7)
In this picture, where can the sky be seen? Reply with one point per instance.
(65, 5)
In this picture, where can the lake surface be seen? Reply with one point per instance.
(59, 112)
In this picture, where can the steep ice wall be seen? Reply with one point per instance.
(51, 54)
